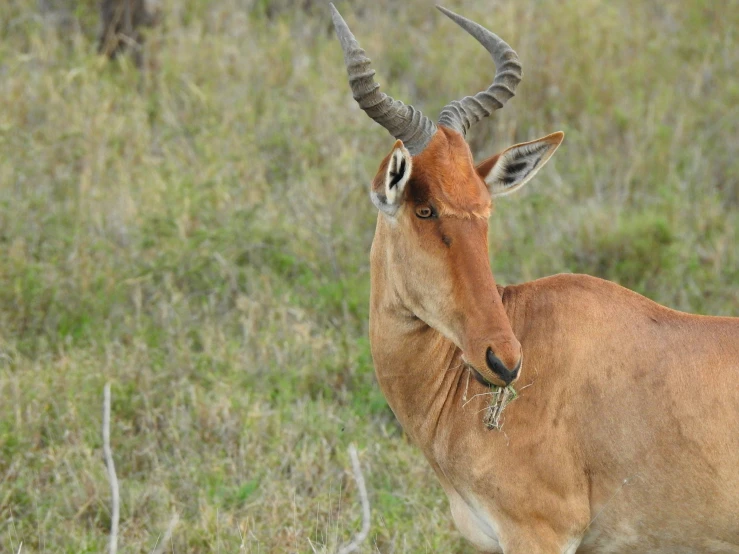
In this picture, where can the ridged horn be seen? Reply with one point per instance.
(460, 115)
(403, 122)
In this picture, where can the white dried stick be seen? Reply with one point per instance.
(108, 453)
(364, 531)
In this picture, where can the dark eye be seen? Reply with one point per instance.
(424, 212)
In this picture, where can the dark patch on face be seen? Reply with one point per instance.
(442, 234)
(419, 191)
(420, 194)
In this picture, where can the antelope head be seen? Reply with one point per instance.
(434, 203)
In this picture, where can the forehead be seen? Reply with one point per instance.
(444, 173)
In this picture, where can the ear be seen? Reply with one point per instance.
(389, 184)
(512, 168)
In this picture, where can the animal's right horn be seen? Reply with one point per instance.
(403, 122)
(460, 115)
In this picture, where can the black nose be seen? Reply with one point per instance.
(499, 368)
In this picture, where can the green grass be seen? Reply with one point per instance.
(198, 235)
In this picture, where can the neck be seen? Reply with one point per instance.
(419, 370)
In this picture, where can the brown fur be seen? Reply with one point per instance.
(625, 436)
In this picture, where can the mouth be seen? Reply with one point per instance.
(479, 377)
(500, 397)
(494, 380)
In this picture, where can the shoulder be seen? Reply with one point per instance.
(571, 283)
(577, 294)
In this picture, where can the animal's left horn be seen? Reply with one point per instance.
(460, 115)
(403, 122)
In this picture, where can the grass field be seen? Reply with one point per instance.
(197, 234)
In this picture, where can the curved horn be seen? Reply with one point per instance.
(460, 115)
(403, 122)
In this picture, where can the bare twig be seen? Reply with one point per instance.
(12, 524)
(467, 385)
(489, 393)
(160, 546)
(359, 478)
(108, 453)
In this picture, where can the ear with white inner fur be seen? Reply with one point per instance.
(387, 194)
(511, 169)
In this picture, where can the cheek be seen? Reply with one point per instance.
(433, 247)
(427, 260)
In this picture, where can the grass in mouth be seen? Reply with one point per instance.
(500, 397)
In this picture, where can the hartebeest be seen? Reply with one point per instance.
(625, 436)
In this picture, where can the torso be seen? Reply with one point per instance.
(613, 440)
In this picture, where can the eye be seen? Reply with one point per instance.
(424, 212)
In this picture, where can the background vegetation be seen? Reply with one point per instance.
(197, 233)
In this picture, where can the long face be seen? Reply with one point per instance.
(434, 203)
(435, 209)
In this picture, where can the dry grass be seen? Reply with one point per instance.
(500, 397)
(198, 235)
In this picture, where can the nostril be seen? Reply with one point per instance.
(499, 368)
(492, 360)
